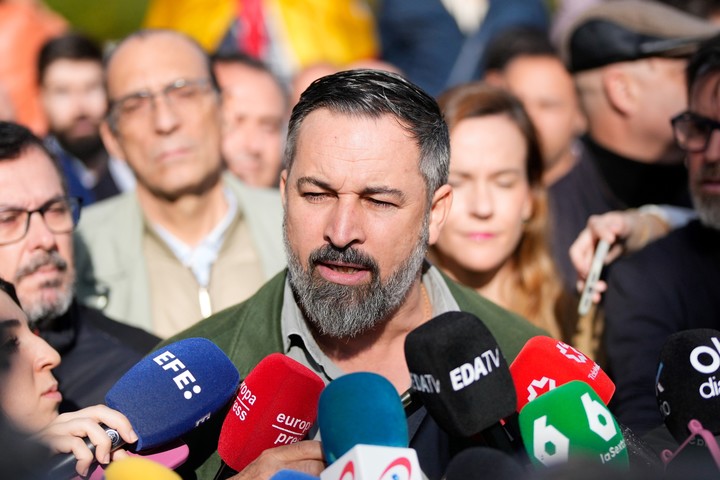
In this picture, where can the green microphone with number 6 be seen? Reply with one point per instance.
(568, 422)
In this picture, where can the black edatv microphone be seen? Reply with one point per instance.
(164, 396)
(463, 379)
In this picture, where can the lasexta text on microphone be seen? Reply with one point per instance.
(544, 364)
(571, 421)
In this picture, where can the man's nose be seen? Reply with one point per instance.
(344, 226)
(39, 234)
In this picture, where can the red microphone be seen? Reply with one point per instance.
(545, 363)
(275, 405)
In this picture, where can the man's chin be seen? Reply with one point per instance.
(46, 302)
(40, 284)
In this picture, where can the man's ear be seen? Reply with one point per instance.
(283, 183)
(621, 88)
(110, 141)
(439, 210)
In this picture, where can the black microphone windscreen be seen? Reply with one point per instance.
(688, 381)
(459, 373)
(484, 463)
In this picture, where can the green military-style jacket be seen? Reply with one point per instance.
(250, 331)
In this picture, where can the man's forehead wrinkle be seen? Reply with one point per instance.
(190, 66)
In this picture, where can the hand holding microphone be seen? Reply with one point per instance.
(303, 458)
(164, 396)
(66, 435)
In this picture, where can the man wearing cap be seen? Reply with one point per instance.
(628, 60)
(672, 284)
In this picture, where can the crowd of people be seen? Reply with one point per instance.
(326, 209)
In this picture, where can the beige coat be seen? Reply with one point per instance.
(111, 267)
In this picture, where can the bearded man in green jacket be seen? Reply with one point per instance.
(365, 192)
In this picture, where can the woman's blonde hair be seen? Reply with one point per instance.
(535, 287)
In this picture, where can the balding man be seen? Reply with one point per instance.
(628, 60)
(189, 241)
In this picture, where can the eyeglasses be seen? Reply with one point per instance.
(61, 215)
(692, 131)
(179, 93)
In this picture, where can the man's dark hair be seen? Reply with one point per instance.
(374, 93)
(705, 60)
(15, 139)
(71, 46)
(240, 58)
(514, 42)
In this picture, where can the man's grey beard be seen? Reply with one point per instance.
(707, 205)
(38, 310)
(346, 311)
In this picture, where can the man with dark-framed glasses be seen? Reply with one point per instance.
(672, 284)
(37, 219)
(190, 240)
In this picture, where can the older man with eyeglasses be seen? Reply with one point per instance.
(672, 284)
(37, 219)
(190, 240)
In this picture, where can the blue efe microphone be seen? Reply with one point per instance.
(165, 395)
(360, 408)
(174, 389)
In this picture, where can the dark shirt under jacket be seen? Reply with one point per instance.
(603, 181)
(96, 351)
(671, 285)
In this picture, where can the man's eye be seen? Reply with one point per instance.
(380, 203)
(315, 196)
(133, 104)
(57, 210)
(183, 91)
(10, 217)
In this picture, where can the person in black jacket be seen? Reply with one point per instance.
(672, 284)
(36, 255)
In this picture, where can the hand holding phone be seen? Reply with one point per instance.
(601, 251)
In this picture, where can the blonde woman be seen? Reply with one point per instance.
(495, 237)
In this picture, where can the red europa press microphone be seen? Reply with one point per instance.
(275, 405)
(545, 363)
